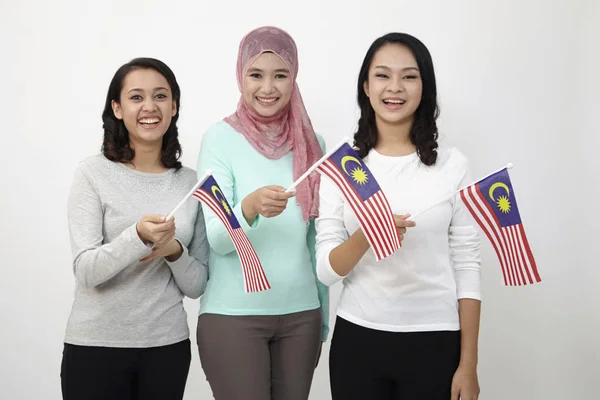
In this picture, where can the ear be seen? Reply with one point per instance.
(174, 112)
(366, 87)
(116, 109)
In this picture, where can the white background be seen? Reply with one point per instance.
(518, 81)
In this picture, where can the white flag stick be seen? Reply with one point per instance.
(509, 165)
(191, 192)
(315, 165)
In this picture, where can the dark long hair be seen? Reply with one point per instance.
(424, 132)
(115, 145)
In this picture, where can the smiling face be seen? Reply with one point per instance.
(146, 106)
(268, 85)
(394, 85)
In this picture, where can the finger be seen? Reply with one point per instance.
(277, 210)
(171, 237)
(272, 213)
(164, 226)
(153, 218)
(150, 256)
(279, 196)
(402, 223)
(401, 230)
(454, 394)
(284, 195)
(276, 188)
(275, 203)
(161, 238)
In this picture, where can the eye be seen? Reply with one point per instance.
(410, 77)
(136, 97)
(280, 76)
(255, 75)
(381, 76)
(161, 96)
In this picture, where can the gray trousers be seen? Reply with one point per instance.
(260, 357)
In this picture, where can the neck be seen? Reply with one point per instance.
(394, 139)
(147, 157)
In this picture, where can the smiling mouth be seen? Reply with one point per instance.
(394, 101)
(149, 122)
(267, 101)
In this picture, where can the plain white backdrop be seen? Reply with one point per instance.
(518, 81)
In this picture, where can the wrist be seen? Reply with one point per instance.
(248, 210)
(140, 235)
(468, 364)
(176, 252)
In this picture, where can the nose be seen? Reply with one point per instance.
(268, 86)
(397, 85)
(149, 105)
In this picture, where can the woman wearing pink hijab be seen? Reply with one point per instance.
(266, 344)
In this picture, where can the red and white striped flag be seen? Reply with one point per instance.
(255, 279)
(368, 202)
(492, 203)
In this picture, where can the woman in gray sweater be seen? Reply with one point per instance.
(127, 336)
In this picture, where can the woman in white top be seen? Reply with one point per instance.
(407, 326)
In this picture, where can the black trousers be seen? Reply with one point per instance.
(109, 373)
(378, 365)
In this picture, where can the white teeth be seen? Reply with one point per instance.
(390, 101)
(149, 121)
(266, 100)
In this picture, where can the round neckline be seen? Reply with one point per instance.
(392, 159)
(152, 175)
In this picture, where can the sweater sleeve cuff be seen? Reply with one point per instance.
(324, 332)
(182, 261)
(469, 295)
(137, 245)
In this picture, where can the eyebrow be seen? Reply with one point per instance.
(155, 89)
(277, 70)
(403, 69)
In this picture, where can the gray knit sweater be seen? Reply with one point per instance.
(120, 302)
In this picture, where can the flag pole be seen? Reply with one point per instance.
(315, 165)
(207, 174)
(507, 166)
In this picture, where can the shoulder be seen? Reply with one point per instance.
(95, 164)
(450, 158)
(219, 131)
(187, 175)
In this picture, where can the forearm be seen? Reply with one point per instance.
(469, 311)
(344, 257)
(95, 266)
(190, 274)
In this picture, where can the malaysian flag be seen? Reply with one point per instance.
(349, 173)
(255, 279)
(492, 203)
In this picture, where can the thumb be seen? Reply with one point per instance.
(454, 394)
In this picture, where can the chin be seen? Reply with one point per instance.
(151, 137)
(267, 111)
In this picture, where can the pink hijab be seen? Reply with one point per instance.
(291, 129)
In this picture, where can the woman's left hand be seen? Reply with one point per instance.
(171, 251)
(465, 385)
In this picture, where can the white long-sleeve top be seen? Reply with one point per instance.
(418, 287)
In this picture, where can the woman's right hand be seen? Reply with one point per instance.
(155, 229)
(402, 224)
(268, 201)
